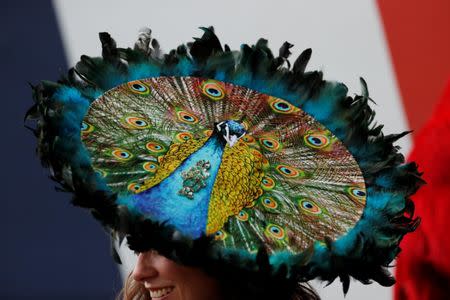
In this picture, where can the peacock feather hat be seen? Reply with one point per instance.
(229, 160)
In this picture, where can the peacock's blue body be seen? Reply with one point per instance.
(164, 202)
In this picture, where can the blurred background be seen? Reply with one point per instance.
(53, 251)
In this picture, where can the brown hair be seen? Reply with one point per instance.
(133, 290)
(305, 292)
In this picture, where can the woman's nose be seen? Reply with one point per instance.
(145, 268)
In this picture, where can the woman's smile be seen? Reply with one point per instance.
(159, 292)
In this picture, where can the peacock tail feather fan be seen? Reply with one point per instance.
(229, 158)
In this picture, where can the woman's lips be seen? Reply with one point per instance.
(159, 292)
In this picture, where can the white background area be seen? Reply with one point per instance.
(346, 37)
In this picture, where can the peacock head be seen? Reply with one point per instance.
(231, 131)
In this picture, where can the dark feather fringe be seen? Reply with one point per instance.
(364, 253)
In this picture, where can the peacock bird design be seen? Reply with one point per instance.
(213, 158)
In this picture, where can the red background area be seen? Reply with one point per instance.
(423, 267)
(418, 34)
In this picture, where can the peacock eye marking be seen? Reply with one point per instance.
(359, 193)
(282, 106)
(220, 235)
(317, 140)
(310, 207)
(187, 117)
(138, 87)
(269, 202)
(275, 231)
(314, 140)
(286, 170)
(213, 92)
(270, 144)
(121, 154)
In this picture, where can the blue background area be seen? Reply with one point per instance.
(49, 249)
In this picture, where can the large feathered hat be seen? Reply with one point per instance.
(229, 160)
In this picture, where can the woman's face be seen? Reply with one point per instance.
(167, 280)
